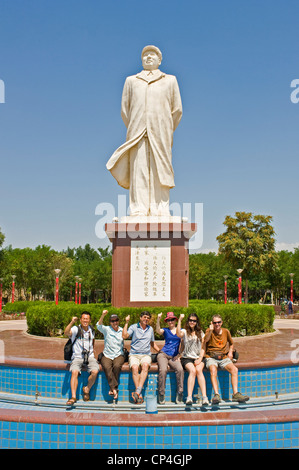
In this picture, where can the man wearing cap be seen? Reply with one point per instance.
(113, 354)
(169, 356)
(151, 109)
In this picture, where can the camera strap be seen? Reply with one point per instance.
(82, 337)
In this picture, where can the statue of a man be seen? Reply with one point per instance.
(151, 109)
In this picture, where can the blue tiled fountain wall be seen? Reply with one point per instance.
(55, 384)
(18, 435)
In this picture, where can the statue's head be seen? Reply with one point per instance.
(151, 57)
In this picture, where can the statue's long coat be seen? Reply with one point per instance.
(150, 104)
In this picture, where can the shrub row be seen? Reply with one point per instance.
(50, 320)
(22, 305)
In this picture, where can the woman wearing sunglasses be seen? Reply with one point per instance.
(169, 356)
(192, 356)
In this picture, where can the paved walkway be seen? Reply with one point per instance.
(282, 346)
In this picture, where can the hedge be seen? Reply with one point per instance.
(21, 306)
(49, 319)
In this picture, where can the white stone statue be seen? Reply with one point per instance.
(151, 109)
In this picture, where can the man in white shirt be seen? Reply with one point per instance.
(83, 355)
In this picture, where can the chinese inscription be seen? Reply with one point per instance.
(150, 271)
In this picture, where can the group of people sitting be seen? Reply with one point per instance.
(185, 349)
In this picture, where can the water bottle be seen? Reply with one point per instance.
(151, 406)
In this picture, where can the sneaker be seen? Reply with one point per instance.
(204, 401)
(179, 398)
(216, 399)
(161, 399)
(189, 401)
(239, 397)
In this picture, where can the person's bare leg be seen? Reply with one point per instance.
(191, 378)
(91, 380)
(231, 368)
(214, 381)
(135, 375)
(74, 383)
(143, 375)
(201, 379)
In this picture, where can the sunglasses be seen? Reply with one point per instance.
(193, 321)
(113, 321)
(216, 322)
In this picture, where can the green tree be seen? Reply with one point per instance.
(34, 271)
(206, 276)
(95, 269)
(249, 244)
(2, 238)
(288, 262)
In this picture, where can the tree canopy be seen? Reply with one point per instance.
(35, 276)
(248, 243)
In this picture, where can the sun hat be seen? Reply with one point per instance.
(170, 316)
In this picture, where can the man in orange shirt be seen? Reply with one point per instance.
(217, 340)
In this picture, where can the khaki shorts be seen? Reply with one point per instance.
(77, 364)
(221, 363)
(139, 359)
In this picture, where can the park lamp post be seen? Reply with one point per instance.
(291, 276)
(240, 286)
(57, 271)
(76, 289)
(1, 280)
(13, 288)
(225, 289)
(80, 290)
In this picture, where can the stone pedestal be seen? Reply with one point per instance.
(150, 263)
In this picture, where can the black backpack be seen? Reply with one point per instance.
(68, 348)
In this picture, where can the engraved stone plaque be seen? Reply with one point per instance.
(150, 271)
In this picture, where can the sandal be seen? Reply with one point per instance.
(71, 401)
(114, 394)
(85, 395)
(137, 398)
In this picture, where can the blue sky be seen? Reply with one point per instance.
(64, 62)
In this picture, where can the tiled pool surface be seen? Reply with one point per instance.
(87, 434)
(33, 414)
